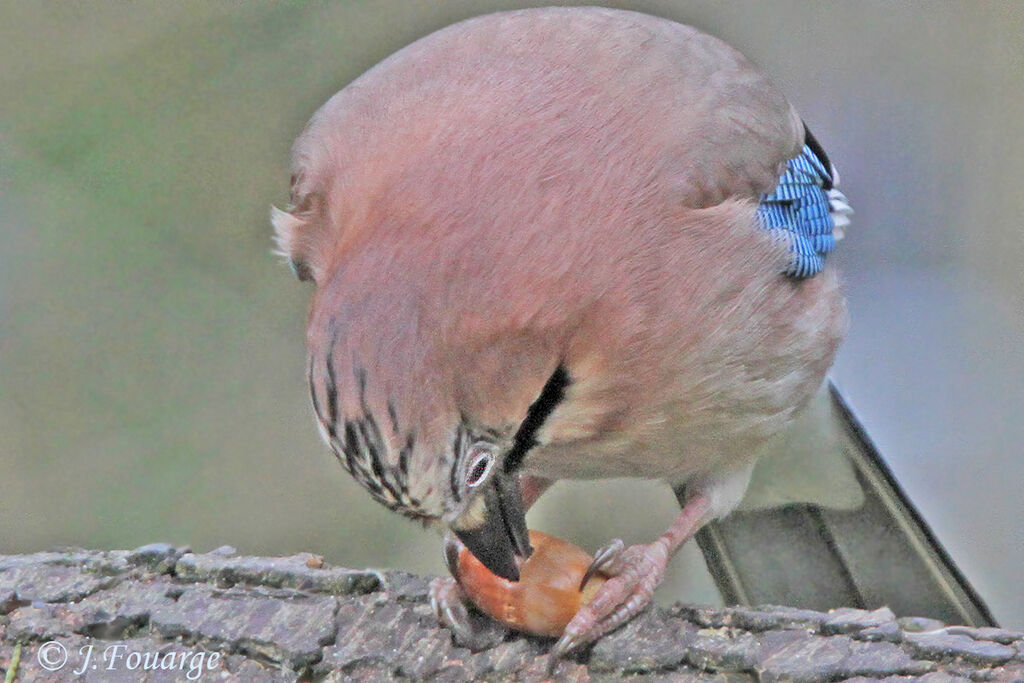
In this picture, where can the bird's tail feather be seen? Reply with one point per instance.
(826, 525)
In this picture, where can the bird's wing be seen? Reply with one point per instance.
(807, 209)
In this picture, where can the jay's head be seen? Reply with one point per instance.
(429, 382)
(394, 406)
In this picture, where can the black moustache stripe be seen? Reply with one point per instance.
(550, 396)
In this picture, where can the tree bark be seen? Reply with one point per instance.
(161, 613)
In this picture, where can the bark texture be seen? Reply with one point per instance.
(293, 618)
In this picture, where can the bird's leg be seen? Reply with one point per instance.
(449, 601)
(636, 571)
(451, 607)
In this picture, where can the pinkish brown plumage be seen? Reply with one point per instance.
(536, 250)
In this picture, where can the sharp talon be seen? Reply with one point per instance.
(459, 624)
(633, 574)
(473, 631)
(603, 559)
(564, 646)
(452, 619)
(591, 570)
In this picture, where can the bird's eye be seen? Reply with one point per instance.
(479, 466)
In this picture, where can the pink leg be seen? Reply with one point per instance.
(636, 571)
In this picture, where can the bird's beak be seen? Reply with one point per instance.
(494, 528)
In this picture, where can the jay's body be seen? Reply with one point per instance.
(538, 255)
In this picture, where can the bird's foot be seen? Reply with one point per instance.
(469, 628)
(635, 572)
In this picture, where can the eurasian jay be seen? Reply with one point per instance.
(561, 243)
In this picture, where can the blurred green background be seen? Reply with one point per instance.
(151, 347)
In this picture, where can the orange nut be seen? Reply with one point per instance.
(547, 595)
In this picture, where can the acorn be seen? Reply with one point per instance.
(547, 595)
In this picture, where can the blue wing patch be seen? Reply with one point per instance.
(805, 209)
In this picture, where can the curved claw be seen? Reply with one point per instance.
(605, 561)
(566, 644)
(474, 631)
(635, 573)
(448, 607)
